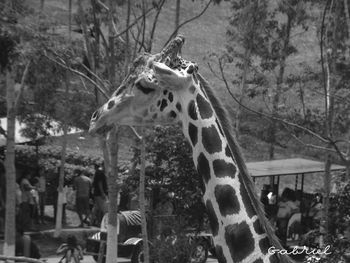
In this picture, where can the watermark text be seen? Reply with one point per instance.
(300, 250)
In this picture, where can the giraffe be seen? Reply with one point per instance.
(173, 91)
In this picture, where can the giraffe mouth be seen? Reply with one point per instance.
(103, 129)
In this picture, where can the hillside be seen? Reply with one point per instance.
(207, 35)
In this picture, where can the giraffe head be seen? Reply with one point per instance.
(153, 93)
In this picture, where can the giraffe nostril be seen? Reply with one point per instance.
(94, 115)
(190, 69)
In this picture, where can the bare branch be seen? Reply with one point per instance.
(134, 23)
(160, 6)
(136, 39)
(79, 74)
(313, 145)
(188, 21)
(96, 76)
(84, 85)
(144, 21)
(213, 71)
(340, 153)
(103, 5)
(24, 76)
(84, 27)
(347, 16)
(138, 136)
(105, 44)
(116, 32)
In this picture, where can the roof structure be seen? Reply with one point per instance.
(285, 167)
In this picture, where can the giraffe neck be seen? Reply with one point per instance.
(237, 231)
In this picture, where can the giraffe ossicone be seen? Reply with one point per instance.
(159, 90)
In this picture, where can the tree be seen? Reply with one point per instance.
(61, 170)
(244, 38)
(259, 44)
(143, 202)
(9, 57)
(114, 184)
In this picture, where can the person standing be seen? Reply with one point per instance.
(316, 211)
(27, 202)
(42, 195)
(99, 188)
(82, 186)
(35, 198)
(64, 203)
(286, 207)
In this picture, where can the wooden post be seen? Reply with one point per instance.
(142, 201)
(10, 214)
(113, 192)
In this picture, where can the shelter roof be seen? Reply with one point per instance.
(288, 167)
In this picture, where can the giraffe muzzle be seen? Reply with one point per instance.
(93, 130)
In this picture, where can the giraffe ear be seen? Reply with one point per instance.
(168, 77)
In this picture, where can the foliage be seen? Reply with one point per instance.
(171, 157)
(172, 247)
(49, 158)
(43, 98)
(340, 208)
(7, 48)
(339, 235)
(260, 43)
(170, 166)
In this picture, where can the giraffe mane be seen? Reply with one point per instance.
(227, 127)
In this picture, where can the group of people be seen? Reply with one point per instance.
(30, 200)
(280, 213)
(90, 198)
(90, 189)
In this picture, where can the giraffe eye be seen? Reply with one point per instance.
(110, 104)
(143, 89)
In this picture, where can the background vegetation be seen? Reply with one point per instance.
(280, 67)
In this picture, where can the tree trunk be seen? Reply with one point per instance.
(347, 19)
(327, 190)
(70, 19)
(127, 39)
(330, 86)
(10, 214)
(111, 36)
(42, 3)
(59, 212)
(280, 78)
(84, 28)
(113, 192)
(177, 16)
(96, 35)
(246, 58)
(143, 201)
